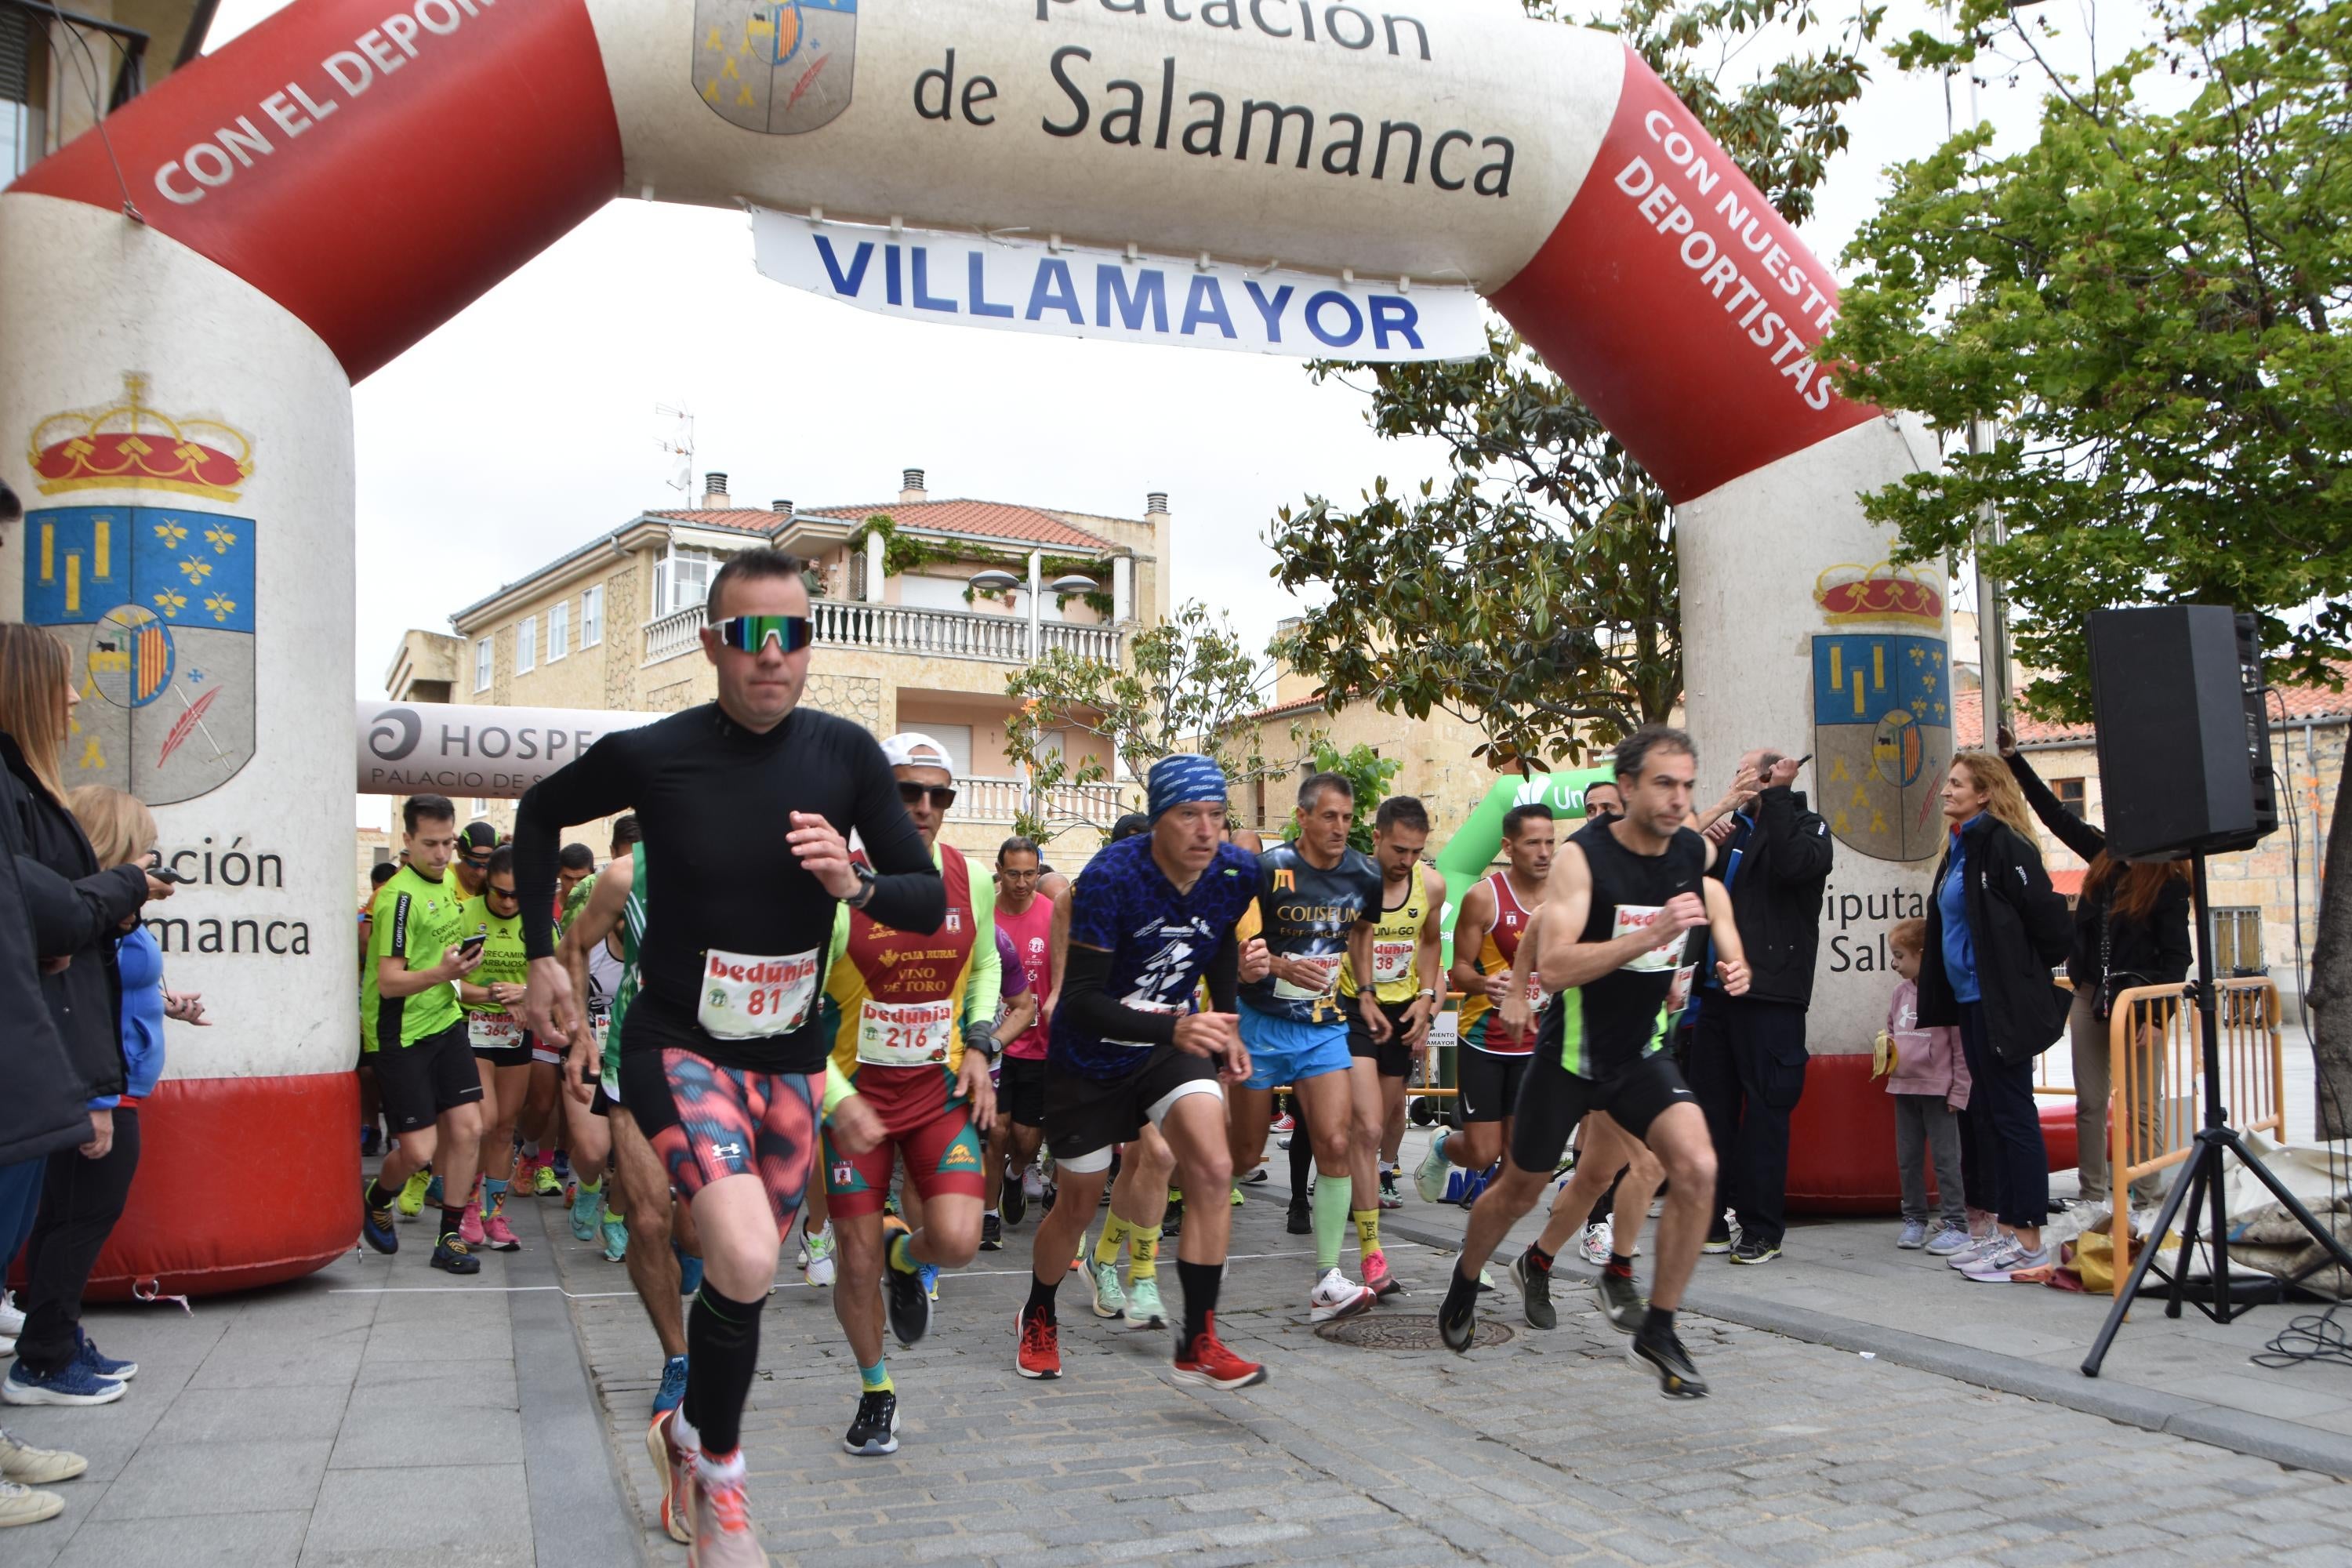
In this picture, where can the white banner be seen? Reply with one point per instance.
(1077, 291)
(435, 747)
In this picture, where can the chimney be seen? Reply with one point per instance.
(781, 508)
(714, 493)
(910, 490)
(1156, 504)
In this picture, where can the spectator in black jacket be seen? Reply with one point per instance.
(77, 910)
(2131, 928)
(1747, 1057)
(1995, 927)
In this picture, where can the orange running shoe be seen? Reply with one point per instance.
(1040, 1353)
(1212, 1365)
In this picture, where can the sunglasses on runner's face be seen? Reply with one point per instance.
(507, 895)
(750, 634)
(942, 796)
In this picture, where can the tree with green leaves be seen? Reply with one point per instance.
(2147, 301)
(1534, 593)
(1191, 684)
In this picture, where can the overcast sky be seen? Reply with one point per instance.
(527, 425)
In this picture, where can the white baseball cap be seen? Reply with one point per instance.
(913, 749)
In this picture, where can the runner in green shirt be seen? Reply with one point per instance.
(501, 1046)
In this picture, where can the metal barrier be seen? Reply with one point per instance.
(2156, 1057)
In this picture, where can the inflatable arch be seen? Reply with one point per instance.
(185, 303)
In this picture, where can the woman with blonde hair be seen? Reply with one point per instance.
(78, 910)
(1995, 927)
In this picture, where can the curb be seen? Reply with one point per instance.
(2287, 1443)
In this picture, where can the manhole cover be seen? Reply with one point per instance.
(1404, 1331)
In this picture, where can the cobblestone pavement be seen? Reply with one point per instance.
(1550, 1448)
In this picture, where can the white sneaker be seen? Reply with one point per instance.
(1032, 1183)
(12, 1317)
(1429, 1176)
(1596, 1243)
(23, 1505)
(817, 1256)
(28, 1465)
(1335, 1295)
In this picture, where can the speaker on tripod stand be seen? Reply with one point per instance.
(2184, 762)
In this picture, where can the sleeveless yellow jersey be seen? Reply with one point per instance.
(1396, 942)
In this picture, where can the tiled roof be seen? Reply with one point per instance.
(973, 519)
(2301, 703)
(740, 519)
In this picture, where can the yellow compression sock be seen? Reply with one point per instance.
(1114, 1229)
(1143, 1247)
(1368, 1230)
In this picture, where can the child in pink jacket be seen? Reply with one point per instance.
(1930, 1081)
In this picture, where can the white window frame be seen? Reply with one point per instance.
(592, 617)
(665, 583)
(559, 629)
(526, 645)
(486, 661)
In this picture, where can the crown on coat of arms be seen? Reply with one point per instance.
(130, 445)
(1884, 592)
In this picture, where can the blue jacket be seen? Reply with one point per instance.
(142, 963)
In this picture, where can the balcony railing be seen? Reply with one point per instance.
(997, 800)
(895, 628)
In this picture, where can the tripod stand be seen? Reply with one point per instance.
(2202, 1178)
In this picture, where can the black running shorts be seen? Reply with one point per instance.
(1393, 1056)
(1085, 1116)
(1489, 1085)
(1021, 1089)
(418, 1082)
(1554, 1099)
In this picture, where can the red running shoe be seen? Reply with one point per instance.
(675, 1465)
(1040, 1354)
(1212, 1365)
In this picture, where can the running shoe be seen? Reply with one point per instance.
(497, 1234)
(1143, 1309)
(929, 1275)
(1620, 1301)
(1016, 1198)
(1390, 1197)
(1286, 1123)
(816, 1255)
(2012, 1265)
(908, 1300)
(1337, 1296)
(1238, 1199)
(1212, 1365)
(1949, 1239)
(434, 1195)
(1378, 1277)
(1033, 1182)
(675, 1465)
(1037, 1345)
(587, 1211)
(526, 1171)
(1258, 1177)
(1110, 1302)
(23, 1505)
(72, 1383)
(672, 1392)
(545, 1184)
(371, 1142)
(991, 1232)
(1171, 1223)
(689, 1272)
(873, 1430)
(1535, 1293)
(724, 1536)
(617, 1239)
(1663, 1353)
(28, 1465)
(411, 1201)
(452, 1256)
(1978, 1248)
(1429, 1176)
(1598, 1240)
(1459, 1327)
(12, 1317)
(1719, 1236)
(87, 1357)
(375, 1228)
(1755, 1249)
(1913, 1236)
(469, 1225)
(1299, 1220)
(561, 1167)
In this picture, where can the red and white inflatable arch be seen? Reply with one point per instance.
(184, 307)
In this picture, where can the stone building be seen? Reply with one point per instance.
(903, 640)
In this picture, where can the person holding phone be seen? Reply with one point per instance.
(417, 955)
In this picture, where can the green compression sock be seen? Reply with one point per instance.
(1333, 1196)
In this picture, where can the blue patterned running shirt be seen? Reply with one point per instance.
(1160, 941)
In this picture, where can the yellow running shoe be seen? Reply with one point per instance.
(412, 1196)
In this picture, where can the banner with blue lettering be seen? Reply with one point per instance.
(1077, 291)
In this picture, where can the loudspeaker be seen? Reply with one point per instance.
(2184, 739)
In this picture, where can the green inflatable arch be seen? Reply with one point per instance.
(1468, 853)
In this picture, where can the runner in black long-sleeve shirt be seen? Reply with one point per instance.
(745, 805)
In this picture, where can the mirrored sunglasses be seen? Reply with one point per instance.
(750, 634)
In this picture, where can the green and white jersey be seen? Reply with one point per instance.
(633, 932)
(416, 920)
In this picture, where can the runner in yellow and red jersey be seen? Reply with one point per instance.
(911, 1016)
(1494, 1057)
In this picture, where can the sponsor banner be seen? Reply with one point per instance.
(1078, 291)
(431, 748)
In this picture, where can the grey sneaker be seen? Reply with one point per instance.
(2012, 1265)
(1913, 1236)
(1535, 1293)
(1949, 1239)
(1621, 1301)
(1979, 1249)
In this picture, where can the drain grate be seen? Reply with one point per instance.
(1404, 1331)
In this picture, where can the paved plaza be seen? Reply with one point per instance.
(381, 1413)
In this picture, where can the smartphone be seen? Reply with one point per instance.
(165, 874)
(1803, 759)
(474, 943)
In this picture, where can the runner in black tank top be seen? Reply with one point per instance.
(1625, 895)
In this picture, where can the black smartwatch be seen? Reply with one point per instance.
(865, 881)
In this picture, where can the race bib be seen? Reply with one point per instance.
(746, 998)
(904, 1034)
(1392, 961)
(1325, 965)
(1678, 994)
(1631, 918)
(494, 1031)
(600, 1024)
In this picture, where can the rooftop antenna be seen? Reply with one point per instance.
(679, 444)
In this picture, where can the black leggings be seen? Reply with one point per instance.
(80, 1200)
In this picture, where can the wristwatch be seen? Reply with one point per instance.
(1426, 994)
(982, 1038)
(865, 881)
